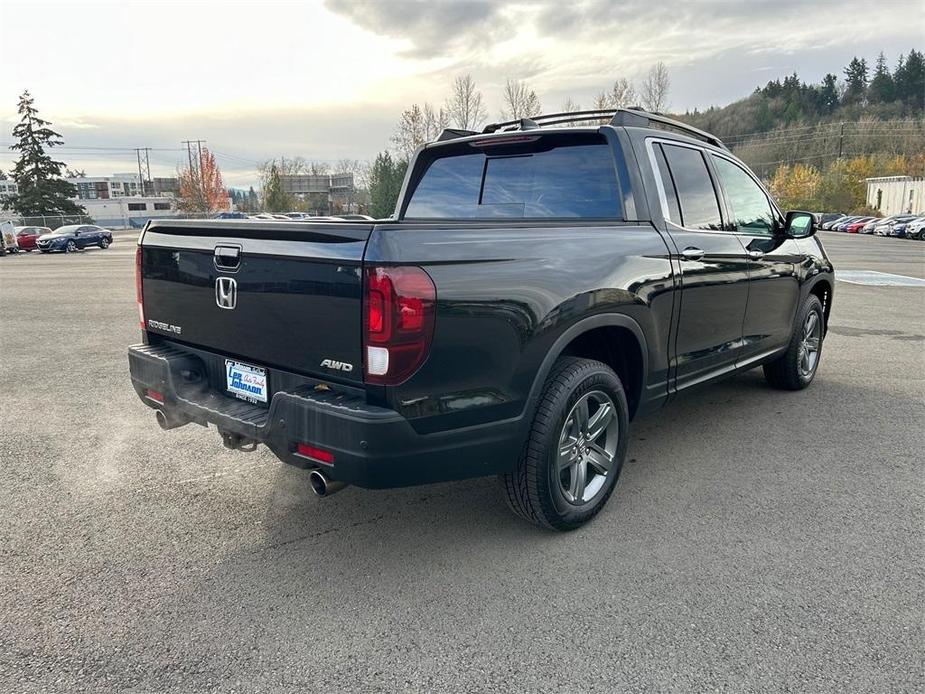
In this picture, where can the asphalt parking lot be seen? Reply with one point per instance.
(758, 540)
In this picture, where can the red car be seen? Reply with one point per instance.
(26, 236)
(855, 227)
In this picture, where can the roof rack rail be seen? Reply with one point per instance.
(627, 117)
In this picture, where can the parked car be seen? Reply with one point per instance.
(856, 226)
(868, 226)
(842, 224)
(355, 217)
(883, 227)
(229, 215)
(501, 322)
(27, 236)
(74, 237)
(898, 228)
(828, 224)
(826, 217)
(916, 229)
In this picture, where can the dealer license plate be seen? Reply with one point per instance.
(245, 381)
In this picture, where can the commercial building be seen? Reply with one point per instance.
(7, 187)
(896, 195)
(126, 211)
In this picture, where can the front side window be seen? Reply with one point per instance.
(696, 195)
(751, 210)
(523, 182)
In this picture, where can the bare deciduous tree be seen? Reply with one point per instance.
(655, 88)
(465, 106)
(519, 101)
(416, 126)
(409, 134)
(622, 94)
(570, 106)
(435, 121)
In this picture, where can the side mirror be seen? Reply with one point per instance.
(799, 225)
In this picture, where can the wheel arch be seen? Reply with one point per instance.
(822, 289)
(612, 338)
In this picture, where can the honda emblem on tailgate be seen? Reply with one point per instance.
(226, 292)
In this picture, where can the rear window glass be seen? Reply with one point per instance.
(566, 181)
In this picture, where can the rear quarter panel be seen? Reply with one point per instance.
(508, 293)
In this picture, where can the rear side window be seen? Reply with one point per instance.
(696, 195)
(569, 181)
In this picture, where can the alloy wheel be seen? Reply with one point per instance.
(808, 355)
(587, 446)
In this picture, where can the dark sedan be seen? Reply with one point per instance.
(74, 237)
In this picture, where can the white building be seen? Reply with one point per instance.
(7, 187)
(125, 211)
(896, 195)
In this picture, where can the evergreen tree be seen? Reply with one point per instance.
(275, 199)
(855, 81)
(41, 190)
(881, 89)
(909, 80)
(385, 181)
(829, 93)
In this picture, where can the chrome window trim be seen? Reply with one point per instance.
(663, 199)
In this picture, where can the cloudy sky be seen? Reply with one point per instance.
(328, 80)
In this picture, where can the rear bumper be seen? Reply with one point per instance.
(373, 447)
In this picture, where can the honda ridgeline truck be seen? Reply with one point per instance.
(537, 288)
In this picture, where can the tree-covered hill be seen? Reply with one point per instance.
(789, 121)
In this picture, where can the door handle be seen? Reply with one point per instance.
(691, 253)
(755, 255)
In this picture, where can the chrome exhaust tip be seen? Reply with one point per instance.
(166, 422)
(322, 486)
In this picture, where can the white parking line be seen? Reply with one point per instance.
(878, 279)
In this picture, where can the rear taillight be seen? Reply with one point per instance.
(398, 322)
(139, 294)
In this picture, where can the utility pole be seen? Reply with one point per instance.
(143, 161)
(196, 168)
(841, 139)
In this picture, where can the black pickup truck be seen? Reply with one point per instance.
(537, 287)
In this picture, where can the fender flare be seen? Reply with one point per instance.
(807, 289)
(601, 320)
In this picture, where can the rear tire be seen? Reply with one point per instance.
(797, 367)
(575, 449)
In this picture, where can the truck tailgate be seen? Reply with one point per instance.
(271, 294)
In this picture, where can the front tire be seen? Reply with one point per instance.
(104, 243)
(575, 449)
(71, 247)
(796, 368)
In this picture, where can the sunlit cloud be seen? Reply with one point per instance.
(327, 80)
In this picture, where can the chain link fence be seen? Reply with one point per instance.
(51, 221)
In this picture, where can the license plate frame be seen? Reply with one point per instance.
(247, 382)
